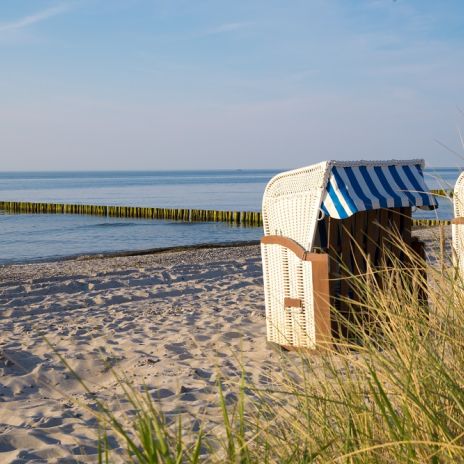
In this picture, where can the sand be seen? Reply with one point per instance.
(171, 321)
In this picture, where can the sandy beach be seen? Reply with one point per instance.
(172, 321)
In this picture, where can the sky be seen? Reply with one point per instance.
(212, 84)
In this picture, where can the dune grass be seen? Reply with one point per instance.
(394, 396)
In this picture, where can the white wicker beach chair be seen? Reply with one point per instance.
(458, 224)
(306, 213)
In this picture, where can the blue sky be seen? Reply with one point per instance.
(147, 84)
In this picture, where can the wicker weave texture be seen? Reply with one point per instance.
(291, 203)
(458, 229)
(287, 276)
(291, 209)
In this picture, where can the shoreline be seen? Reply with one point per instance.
(127, 253)
(424, 233)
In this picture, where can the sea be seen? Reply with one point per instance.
(26, 238)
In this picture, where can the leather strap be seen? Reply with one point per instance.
(292, 303)
(293, 246)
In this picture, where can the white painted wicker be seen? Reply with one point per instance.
(291, 206)
(458, 229)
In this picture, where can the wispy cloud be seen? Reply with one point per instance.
(34, 18)
(229, 27)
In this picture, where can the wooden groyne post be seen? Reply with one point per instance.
(249, 218)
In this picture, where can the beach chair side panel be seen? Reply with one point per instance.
(296, 296)
(458, 224)
(290, 209)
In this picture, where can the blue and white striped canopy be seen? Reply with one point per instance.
(351, 189)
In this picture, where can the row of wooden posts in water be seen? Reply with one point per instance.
(248, 218)
(442, 193)
(251, 218)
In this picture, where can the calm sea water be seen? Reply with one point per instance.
(27, 238)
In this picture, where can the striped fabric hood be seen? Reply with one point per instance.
(354, 187)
